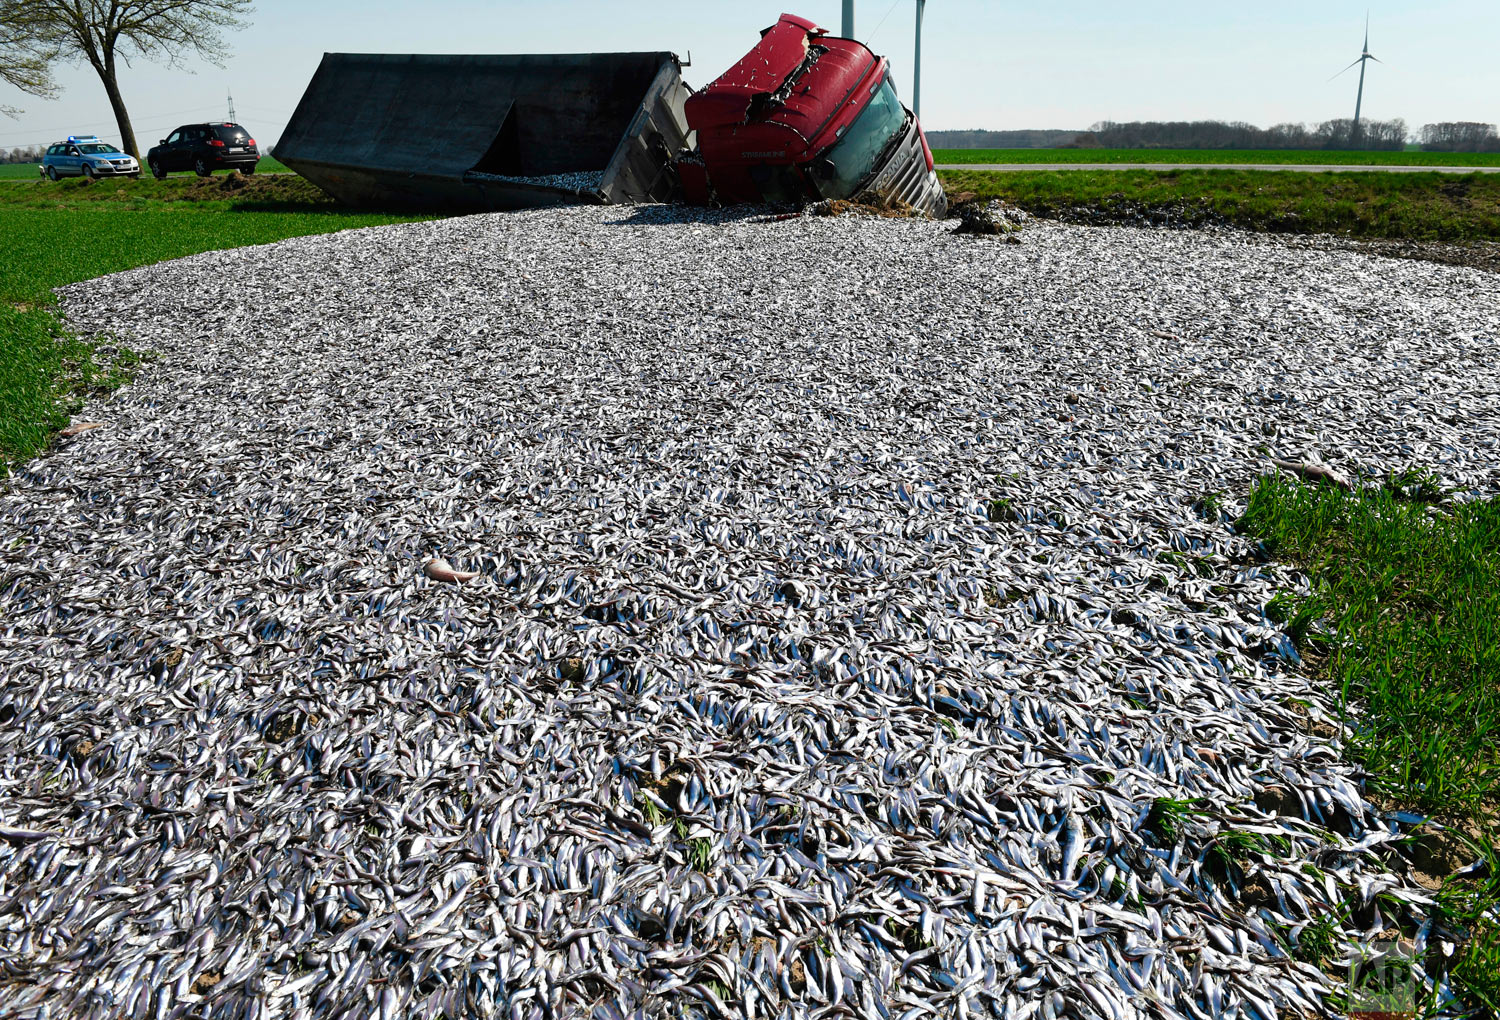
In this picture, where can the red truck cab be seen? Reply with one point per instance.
(805, 116)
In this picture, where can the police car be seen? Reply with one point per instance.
(87, 156)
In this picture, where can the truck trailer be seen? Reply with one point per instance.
(803, 116)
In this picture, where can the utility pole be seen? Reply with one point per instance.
(848, 32)
(916, 84)
(232, 118)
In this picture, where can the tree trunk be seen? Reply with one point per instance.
(117, 104)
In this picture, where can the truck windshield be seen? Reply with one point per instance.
(854, 155)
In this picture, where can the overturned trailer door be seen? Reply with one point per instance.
(490, 131)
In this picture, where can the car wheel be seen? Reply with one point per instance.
(88, 171)
(201, 168)
(52, 173)
(156, 169)
(248, 169)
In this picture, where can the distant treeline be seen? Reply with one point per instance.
(1034, 138)
(23, 154)
(1217, 134)
(1458, 136)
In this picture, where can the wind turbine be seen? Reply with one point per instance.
(1364, 55)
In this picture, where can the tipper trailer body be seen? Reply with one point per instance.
(489, 131)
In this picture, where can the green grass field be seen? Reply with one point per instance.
(28, 171)
(1288, 156)
(1411, 587)
(1420, 206)
(55, 234)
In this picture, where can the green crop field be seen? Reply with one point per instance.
(1408, 584)
(1420, 206)
(1300, 157)
(55, 234)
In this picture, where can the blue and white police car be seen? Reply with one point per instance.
(87, 156)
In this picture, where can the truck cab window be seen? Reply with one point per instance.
(854, 156)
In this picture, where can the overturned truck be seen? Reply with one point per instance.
(803, 116)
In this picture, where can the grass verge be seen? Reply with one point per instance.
(1290, 157)
(1411, 587)
(1415, 206)
(76, 230)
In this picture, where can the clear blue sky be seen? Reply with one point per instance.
(987, 64)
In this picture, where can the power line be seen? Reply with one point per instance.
(100, 123)
(881, 22)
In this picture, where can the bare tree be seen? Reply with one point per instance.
(107, 32)
(25, 59)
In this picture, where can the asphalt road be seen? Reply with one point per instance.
(1306, 168)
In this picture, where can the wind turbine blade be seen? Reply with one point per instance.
(1373, 57)
(1357, 60)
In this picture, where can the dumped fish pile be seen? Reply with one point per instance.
(856, 625)
(585, 180)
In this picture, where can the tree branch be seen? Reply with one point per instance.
(33, 33)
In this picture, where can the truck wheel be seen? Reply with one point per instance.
(52, 173)
(156, 169)
(201, 168)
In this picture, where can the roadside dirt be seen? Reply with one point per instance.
(221, 187)
(239, 188)
(1474, 254)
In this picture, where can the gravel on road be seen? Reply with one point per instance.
(858, 625)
